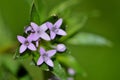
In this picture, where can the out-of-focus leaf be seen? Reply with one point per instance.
(12, 67)
(59, 9)
(70, 62)
(30, 2)
(6, 41)
(74, 26)
(59, 71)
(10, 64)
(83, 38)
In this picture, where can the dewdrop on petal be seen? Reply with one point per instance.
(60, 47)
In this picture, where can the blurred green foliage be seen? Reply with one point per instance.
(99, 63)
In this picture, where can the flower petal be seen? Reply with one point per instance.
(40, 61)
(49, 25)
(37, 43)
(49, 62)
(21, 39)
(58, 23)
(52, 35)
(45, 36)
(28, 29)
(34, 26)
(32, 47)
(61, 32)
(22, 48)
(34, 36)
(30, 38)
(43, 27)
(42, 51)
(51, 53)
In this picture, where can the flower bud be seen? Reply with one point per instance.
(61, 47)
(71, 71)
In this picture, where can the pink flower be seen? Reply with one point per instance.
(39, 32)
(61, 47)
(26, 43)
(55, 29)
(46, 57)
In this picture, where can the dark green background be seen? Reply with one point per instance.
(99, 62)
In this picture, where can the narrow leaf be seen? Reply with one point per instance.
(21, 56)
(58, 71)
(34, 15)
(41, 8)
(6, 41)
(83, 38)
(74, 26)
(70, 62)
(62, 7)
(29, 2)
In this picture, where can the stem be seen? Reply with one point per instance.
(46, 75)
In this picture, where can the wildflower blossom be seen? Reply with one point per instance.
(46, 57)
(55, 29)
(39, 32)
(26, 43)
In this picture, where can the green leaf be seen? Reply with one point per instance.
(83, 38)
(10, 64)
(21, 56)
(70, 62)
(6, 41)
(41, 8)
(58, 71)
(30, 2)
(34, 15)
(61, 8)
(74, 26)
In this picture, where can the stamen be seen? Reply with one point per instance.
(45, 57)
(26, 43)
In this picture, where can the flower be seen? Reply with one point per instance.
(39, 32)
(55, 29)
(45, 57)
(26, 43)
(61, 47)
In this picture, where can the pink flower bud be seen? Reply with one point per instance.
(71, 71)
(61, 47)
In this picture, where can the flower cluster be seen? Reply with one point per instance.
(47, 31)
